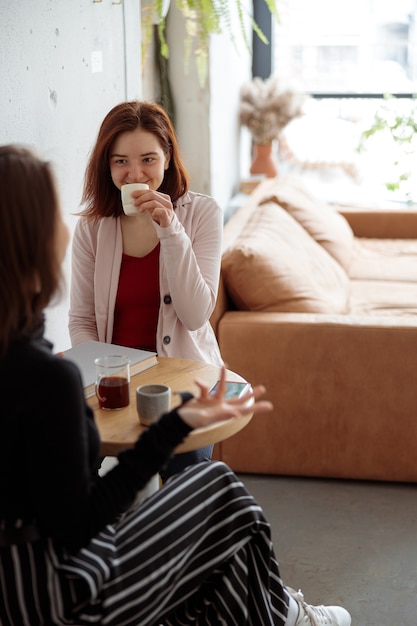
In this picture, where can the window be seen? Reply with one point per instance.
(348, 54)
(348, 46)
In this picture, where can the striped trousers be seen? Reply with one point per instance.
(196, 552)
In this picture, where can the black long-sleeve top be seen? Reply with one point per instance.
(50, 447)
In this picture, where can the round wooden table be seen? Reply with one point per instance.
(120, 429)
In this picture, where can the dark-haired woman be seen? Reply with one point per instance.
(149, 281)
(72, 548)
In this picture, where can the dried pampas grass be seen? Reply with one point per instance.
(267, 106)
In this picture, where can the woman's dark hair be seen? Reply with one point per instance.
(100, 195)
(30, 272)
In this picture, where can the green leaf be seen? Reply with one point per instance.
(203, 18)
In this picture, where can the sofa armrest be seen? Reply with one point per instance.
(344, 393)
(380, 223)
(222, 305)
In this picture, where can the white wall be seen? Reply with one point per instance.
(229, 69)
(62, 67)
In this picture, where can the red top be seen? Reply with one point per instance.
(137, 302)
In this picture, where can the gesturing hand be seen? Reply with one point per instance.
(208, 409)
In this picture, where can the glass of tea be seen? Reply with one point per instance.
(113, 381)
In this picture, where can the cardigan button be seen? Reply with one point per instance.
(167, 299)
(167, 340)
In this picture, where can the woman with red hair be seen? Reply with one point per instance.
(146, 281)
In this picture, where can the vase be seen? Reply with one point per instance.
(263, 161)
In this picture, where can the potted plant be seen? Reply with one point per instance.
(203, 18)
(266, 107)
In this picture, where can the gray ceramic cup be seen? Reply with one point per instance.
(151, 402)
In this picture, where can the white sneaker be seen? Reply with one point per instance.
(309, 615)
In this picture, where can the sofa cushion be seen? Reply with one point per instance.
(383, 297)
(384, 259)
(274, 265)
(330, 229)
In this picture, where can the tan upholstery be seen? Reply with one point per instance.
(321, 221)
(382, 259)
(274, 265)
(343, 385)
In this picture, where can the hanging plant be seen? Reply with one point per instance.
(153, 15)
(203, 18)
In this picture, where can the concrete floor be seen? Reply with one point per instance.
(345, 542)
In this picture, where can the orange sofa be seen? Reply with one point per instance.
(319, 304)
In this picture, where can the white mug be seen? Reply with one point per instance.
(127, 201)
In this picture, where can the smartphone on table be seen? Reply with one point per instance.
(233, 389)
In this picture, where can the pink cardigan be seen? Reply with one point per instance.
(190, 254)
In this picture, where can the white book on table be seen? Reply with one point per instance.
(85, 353)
